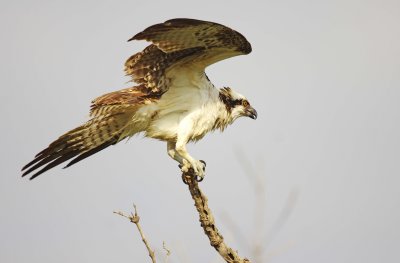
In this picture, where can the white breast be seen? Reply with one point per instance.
(190, 106)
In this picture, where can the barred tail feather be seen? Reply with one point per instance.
(80, 143)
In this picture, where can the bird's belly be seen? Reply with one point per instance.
(193, 125)
(164, 128)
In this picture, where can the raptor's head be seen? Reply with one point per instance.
(236, 104)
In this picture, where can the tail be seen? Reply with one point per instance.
(81, 142)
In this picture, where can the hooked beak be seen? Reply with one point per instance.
(251, 112)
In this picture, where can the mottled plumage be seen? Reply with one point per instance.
(173, 101)
(182, 42)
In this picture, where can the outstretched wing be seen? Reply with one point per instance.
(111, 122)
(180, 42)
(183, 33)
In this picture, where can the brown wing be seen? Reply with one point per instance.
(178, 42)
(130, 97)
(148, 67)
(183, 33)
(111, 122)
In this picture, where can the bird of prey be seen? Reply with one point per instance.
(173, 100)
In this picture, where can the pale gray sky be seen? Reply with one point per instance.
(324, 77)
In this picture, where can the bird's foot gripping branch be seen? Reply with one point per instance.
(187, 169)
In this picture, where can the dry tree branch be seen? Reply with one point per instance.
(134, 218)
(207, 221)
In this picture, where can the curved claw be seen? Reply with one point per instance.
(184, 179)
(204, 164)
(192, 175)
(199, 178)
(188, 169)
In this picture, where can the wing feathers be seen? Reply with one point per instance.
(97, 134)
(182, 33)
(180, 42)
(148, 67)
(112, 117)
(93, 151)
(55, 161)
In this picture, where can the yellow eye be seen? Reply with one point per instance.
(245, 103)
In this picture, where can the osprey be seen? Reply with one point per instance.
(173, 101)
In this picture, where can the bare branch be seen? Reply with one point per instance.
(134, 218)
(207, 221)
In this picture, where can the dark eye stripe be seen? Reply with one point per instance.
(238, 102)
